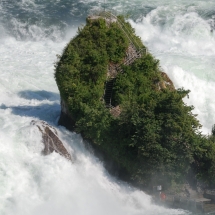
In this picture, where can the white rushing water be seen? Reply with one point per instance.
(184, 43)
(30, 184)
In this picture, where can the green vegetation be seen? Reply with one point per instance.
(156, 138)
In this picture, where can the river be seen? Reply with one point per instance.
(181, 35)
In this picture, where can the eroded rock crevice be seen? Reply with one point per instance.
(51, 141)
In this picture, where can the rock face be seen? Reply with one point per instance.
(51, 140)
(65, 117)
(166, 82)
(114, 93)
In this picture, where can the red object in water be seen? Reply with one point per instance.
(162, 196)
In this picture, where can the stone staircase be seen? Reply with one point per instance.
(131, 55)
(108, 92)
(133, 52)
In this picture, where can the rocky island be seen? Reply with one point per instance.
(115, 94)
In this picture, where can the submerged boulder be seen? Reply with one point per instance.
(51, 141)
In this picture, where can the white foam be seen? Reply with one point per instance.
(34, 184)
(183, 42)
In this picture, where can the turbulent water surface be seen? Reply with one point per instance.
(181, 35)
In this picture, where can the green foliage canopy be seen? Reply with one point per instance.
(156, 138)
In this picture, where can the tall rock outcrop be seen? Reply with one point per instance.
(115, 94)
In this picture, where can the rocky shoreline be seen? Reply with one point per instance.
(195, 205)
(194, 200)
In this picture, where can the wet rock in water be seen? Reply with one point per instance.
(51, 140)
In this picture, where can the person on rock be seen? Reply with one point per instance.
(162, 196)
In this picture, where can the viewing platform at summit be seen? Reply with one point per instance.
(108, 16)
(108, 20)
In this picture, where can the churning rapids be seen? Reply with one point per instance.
(32, 32)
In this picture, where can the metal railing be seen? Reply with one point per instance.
(133, 42)
(127, 32)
